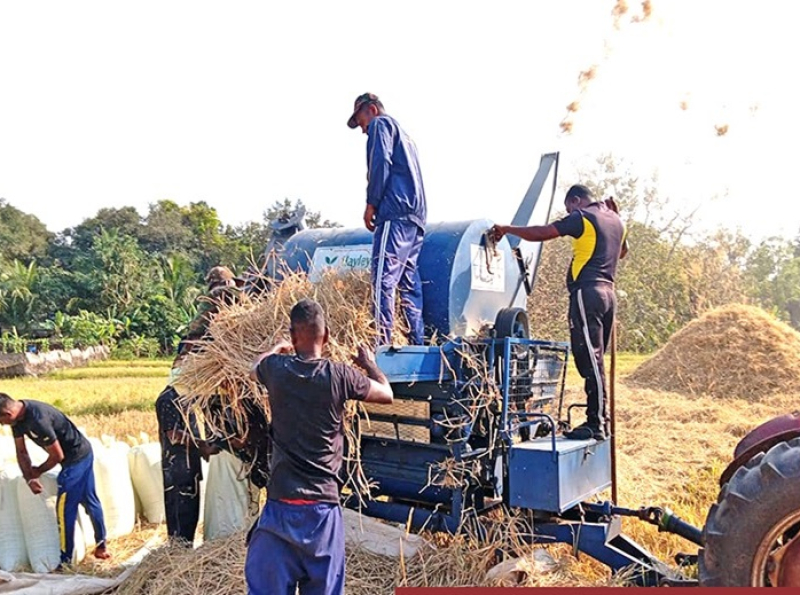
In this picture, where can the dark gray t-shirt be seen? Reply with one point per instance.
(307, 399)
(44, 424)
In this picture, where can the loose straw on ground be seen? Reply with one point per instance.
(217, 567)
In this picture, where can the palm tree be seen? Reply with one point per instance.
(17, 298)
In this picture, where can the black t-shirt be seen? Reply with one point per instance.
(44, 424)
(598, 234)
(307, 399)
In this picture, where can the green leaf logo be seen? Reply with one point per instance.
(331, 259)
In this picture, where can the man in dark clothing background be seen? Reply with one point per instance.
(181, 451)
(396, 213)
(299, 538)
(599, 241)
(65, 445)
(246, 438)
(178, 432)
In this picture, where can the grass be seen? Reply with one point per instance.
(625, 364)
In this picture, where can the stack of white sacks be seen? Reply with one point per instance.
(129, 485)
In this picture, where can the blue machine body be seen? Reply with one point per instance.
(464, 281)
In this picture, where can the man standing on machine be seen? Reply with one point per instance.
(396, 213)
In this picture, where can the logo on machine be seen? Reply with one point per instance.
(488, 272)
(343, 259)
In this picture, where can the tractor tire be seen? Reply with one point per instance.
(752, 534)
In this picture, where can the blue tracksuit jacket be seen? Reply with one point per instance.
(394, 185)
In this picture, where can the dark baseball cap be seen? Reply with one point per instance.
(361, 101)
(219, 275)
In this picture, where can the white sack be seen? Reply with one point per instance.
(13, 551)
(226, 497)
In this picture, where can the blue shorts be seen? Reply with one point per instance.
(296, 545)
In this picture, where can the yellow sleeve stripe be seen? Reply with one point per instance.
(583, 248)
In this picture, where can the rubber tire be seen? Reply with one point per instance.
(511, 320)
(759, 495)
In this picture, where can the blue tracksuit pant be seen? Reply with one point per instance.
(395, 250)
(296, 545)
(76, 486)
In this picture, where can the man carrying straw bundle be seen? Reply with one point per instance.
(53, 431)
(298, 542)
(396, 213)
(178, 431)
(599, 242)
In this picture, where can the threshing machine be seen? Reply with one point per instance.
(477, 418)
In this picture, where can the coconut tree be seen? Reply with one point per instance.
(17, 283)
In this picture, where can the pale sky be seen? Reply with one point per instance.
(239, 104)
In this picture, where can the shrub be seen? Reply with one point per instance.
(135, 348)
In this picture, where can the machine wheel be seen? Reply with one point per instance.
(752, 533)
(512, 322)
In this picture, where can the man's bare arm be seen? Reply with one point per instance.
(30, 473)
(380, 391)
(534, 233)
(24, 459)
(54, 457)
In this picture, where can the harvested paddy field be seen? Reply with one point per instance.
(671, 446)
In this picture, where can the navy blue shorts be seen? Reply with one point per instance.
(296, 545)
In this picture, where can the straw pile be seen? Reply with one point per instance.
(733, 351)
(217, 567)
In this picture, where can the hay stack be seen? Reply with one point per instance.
(733, 351)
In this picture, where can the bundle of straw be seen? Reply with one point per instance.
(216, 377)
(250, 325)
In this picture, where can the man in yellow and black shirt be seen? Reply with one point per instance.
(598, 243)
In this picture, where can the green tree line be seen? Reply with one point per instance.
(120, 278)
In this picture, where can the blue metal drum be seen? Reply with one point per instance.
(465, 284)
